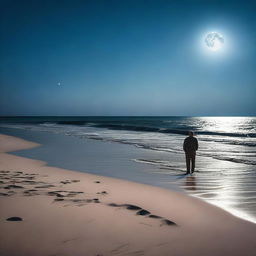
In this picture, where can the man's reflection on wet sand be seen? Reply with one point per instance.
(190, 183)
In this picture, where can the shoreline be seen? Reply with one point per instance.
(217, 182)
(181, 224)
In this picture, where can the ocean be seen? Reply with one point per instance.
(226, 160)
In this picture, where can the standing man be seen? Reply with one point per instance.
(190, 147)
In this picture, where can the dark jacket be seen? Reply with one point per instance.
(190, 145)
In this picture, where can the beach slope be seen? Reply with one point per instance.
(51, 211)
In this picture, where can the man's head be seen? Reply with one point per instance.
(190, 133)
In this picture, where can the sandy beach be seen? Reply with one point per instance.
(63, 212)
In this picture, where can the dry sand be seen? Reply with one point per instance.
(70, 213)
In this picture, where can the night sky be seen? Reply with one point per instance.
(127, 57)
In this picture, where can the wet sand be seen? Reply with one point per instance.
(51, 211)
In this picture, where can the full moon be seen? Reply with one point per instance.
(214, 41)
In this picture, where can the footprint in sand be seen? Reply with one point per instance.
(132, 207)
(154, 216)
(30, 182)
(25, 177)
(45, 186)
(114, 205)
(77, 202)
(4, 194)
(12, 186)
(59, 199)
(66, 182)
(75, 180)
(14, 219)
(168, 222)
(59, 195)
(143, 212)
(102, 193)
(74, 193)
(64, 193)
(31, 192)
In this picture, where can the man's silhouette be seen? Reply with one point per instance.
(190, 147)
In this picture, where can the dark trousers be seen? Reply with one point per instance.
(190, 158)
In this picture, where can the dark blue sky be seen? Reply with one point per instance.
(127, 58)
